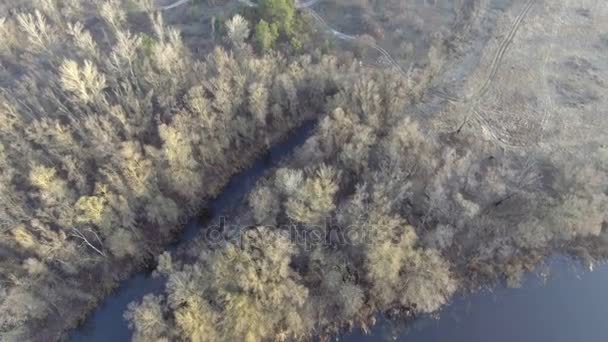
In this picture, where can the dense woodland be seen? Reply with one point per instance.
(113, 132)
(413, 217)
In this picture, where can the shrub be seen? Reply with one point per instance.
(265, 35)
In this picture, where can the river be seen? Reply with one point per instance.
(106, 322)
(571, 305)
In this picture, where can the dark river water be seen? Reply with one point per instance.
(106, 323)
(572, 306)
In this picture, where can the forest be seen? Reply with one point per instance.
(116, 130)
(413, 219)
(112, 136)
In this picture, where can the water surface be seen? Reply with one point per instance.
(572, 306)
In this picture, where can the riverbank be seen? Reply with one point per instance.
(138, 273)
(563, 302)
(419, 207)
(106, 322)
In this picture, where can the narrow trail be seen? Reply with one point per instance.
(347, 37)
(173, 5)
(178, 3)
(497, 61)
(306, 5)
(472, 101)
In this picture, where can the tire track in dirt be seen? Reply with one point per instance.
(502, 138)
(472, 101)
(497, 61)
(173, 5)
(245, 2)
(306, 6)
(347, 37)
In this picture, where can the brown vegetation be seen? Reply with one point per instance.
(113, 132)
(413, 216)
(110, 137)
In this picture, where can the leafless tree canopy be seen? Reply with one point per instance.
(115, 129)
